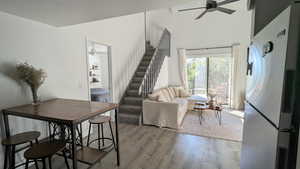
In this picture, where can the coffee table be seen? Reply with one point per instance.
(200, 107)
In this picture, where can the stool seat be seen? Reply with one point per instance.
(100, 119)
(44, 150)
(201, 103)
(21, 138)
(200, 107)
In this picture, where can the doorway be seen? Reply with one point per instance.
(99, 72)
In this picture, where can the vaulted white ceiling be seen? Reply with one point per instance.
(70, 12)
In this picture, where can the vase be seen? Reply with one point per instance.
(34, 96)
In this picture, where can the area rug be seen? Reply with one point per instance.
(230, 129)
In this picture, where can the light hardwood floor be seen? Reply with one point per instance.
(146, 147)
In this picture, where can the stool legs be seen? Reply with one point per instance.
(112, 134)
(66, 159)
(88, 140)
(35, 161)
(79, 131)
(6, 156)
(50, 164)
(99, 137)
(12, 157)
(44, 163)
(26, 164)
(102, 134)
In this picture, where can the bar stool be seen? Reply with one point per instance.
(44, 151)
(100, 121)
(11, 142)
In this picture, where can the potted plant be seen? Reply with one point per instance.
(33, 77)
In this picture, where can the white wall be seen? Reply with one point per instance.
(214, 29)
(163, 77)
(61, 52)
(126, 37)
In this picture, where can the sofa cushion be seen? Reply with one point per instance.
(184, 93)
(180, 91)
(165, 96)
(168, 94)
(172, 92)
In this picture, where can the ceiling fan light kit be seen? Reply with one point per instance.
(212, 6)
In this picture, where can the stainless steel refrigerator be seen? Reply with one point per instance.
(272, 106)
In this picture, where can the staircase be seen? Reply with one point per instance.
(143, 81)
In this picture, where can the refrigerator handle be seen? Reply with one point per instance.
(282, 158)
(249, 65)
(288, 91)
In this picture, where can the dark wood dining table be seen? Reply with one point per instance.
(68, 113)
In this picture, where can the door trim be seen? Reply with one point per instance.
(109, 53)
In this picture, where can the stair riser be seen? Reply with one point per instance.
(137, 80)
(135, 87)
(145, 64)
(142, 69)
(130, 93)
(129, 120)
(130, 111)
(133, 102)
(147, 58)
(140, 74)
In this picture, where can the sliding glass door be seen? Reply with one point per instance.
(197, 75)
(210, 74)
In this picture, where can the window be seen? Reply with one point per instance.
(210, 74)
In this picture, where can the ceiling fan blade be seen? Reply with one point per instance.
(225, 10)
(189, 9)
(201, 15)
(226, 2)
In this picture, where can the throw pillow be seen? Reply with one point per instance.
(177, 91)
(154, 96)
(164, 96)
(171, 92)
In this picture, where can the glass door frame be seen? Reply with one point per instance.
(110, 81)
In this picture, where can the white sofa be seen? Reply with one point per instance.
(166, 107)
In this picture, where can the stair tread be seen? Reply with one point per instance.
(129, 118)
(137, 79)
(135, 85)
(132, 90)
(130, 106)
(133, 98)
(129, 115)
(130, 109)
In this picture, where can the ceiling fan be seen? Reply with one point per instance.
(212, 6)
